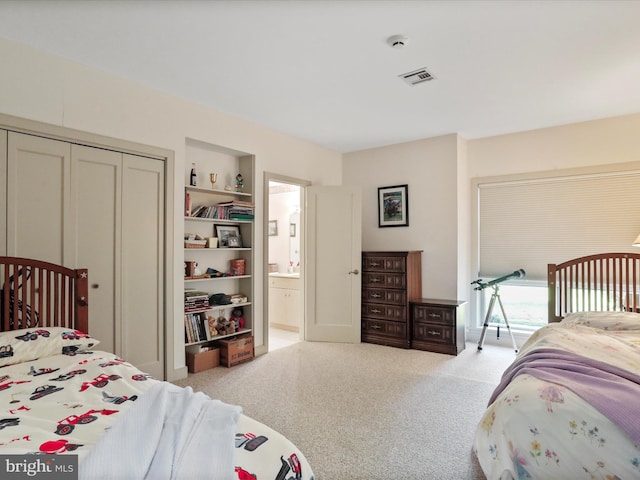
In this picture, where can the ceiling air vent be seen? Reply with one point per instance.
(417, 76)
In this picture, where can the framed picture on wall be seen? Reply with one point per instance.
(292, 229)
(273, 228)
(393, 206)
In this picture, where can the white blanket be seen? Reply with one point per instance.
(168, 433)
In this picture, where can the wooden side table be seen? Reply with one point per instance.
(438, 325)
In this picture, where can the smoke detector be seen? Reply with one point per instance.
(398, 41)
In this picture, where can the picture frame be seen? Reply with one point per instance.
(273, 228)
(223, 232)
(234, 241)
(393, 206)
(292, 229)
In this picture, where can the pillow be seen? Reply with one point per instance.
(604, 320)
(27, 344)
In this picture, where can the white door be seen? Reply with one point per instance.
(97, 193)
(334, 251)
(142, 325)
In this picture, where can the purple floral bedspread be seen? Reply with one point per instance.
(568, 407)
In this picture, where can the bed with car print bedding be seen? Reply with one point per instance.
(61, 395)
(568, 405)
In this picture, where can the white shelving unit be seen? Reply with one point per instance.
(227, 164)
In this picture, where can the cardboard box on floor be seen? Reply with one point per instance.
(197, 362)
(236, 350)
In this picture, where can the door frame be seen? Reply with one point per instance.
(276, 177)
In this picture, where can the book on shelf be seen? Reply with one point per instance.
(187, 204)
(187, 329)
(188, 293)
(238, 203)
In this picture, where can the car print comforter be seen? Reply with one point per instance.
(567, 407)
(66, 404)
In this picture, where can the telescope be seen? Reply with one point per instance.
(496, 296)
(482, 285)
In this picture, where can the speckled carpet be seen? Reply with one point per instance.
(368, 412)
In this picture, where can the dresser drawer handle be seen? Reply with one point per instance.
(375, 280)
(376, 327)
(376, 295)
(374, 264)
(433, 332)
(375, 310)
(434, 315)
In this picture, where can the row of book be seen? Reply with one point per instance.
(232, 210)
(197, 327)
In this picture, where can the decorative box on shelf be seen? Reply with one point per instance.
(195, 243)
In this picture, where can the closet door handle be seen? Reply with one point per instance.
(354, 272)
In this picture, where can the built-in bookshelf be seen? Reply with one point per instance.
(219, 238)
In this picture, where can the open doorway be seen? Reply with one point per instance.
(284, 295)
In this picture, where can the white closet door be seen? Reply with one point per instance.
(38, 199)
(99, 209)
(143, 263)
(97, 193)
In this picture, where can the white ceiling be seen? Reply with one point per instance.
(322, 70)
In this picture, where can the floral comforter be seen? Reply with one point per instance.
(65, 403)
(539, 424)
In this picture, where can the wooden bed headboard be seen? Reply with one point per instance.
(42, 294)
(603, 282)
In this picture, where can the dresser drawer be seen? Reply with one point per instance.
(379, 295)
(396, 313)
(388, 280)
(388, 329)
(383, 264)
(427, 313)
(433, 333)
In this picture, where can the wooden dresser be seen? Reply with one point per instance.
(390, 280)
(438, 325)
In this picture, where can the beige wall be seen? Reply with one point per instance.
(49, 89)
(585, 144)
(439, 173)
(430, 169)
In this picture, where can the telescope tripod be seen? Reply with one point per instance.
(495, 295)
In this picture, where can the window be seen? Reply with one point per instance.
(524, 305)
(526, 222)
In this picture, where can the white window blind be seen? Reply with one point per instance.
(528, 224)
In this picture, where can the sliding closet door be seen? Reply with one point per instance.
(143, 263)
(97, 193)
(98, 209)
(38, 198)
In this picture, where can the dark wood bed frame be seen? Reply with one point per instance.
(603, 282)
(42, 294)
